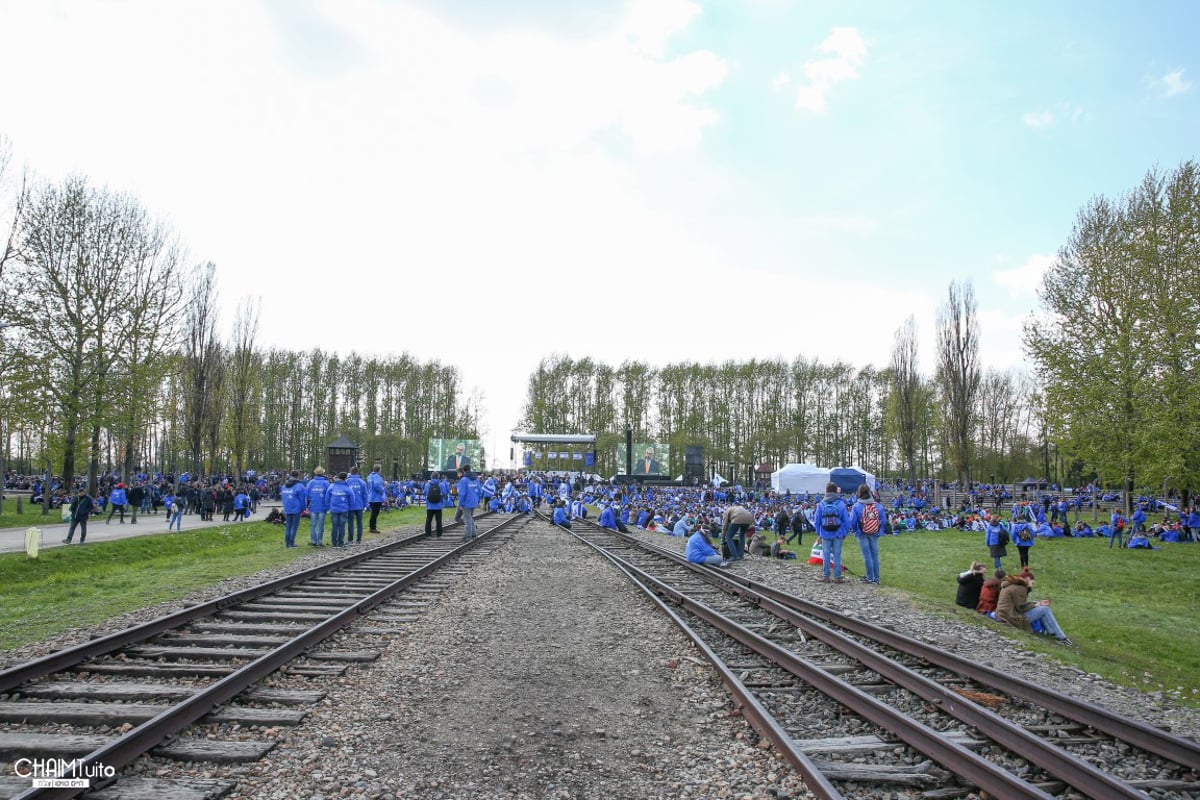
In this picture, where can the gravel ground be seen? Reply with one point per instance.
(525, 681)
(544, 675)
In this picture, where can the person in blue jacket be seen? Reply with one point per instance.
(358, 502)
(470, 491)
(608, 518)
(867, 521)
(376, 496)
(317, 507)
(116, 498)
(294, 498)
(1192, 529)
(1116, 529)
(1023, 533)
(833, 523)
(434, 503)
(337, 499)
(1139, 520)
(560, 517)
(701, 551)
(994, 535)
(241, 505)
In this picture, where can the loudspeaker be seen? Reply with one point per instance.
(693, 462)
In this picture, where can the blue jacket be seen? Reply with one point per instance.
(698, 549)
(358, 492)
(293, 496)
(338, 496)
(240, 502)
(856, 515)
(316, 489)
(445, 496)
(469, 490)
(608, 519)
(376, 490)
(839, 509)
(992, 534)
(117, 497)
(560, 515)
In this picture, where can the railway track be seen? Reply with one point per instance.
(95, 708)
(863, 711)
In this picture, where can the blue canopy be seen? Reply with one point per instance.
(849, 479)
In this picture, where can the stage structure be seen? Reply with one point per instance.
(557, 451)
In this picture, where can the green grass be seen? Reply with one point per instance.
(30, 515)
(1134, 614)
(66, 587)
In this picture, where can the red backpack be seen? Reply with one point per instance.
(870, 518)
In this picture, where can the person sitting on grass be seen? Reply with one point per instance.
(1015, 608)
(989, 593)
(970, 585)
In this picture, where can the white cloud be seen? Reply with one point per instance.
(444, 174)
(847, 52)
(651, 23)
(1173, 83)
(1026, 279)
(1037, 119)
(781, 82)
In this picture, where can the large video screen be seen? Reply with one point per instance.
(447, 454)
(649, 458)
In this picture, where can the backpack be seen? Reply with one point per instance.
(434, 495)
(870, 518)
(830, 519)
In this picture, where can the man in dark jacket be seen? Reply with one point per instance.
(81, 510)
(136, 495)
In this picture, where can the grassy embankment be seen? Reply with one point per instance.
(30, 516)
(72, 586)
(1134, 614)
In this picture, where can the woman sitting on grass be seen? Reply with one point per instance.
(1014, 608)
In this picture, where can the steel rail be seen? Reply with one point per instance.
(1176, 749)
(150, 734)
(754, 711)
(59, 660)
(1058, 762)
(958, 759)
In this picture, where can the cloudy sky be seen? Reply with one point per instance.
(487, 182)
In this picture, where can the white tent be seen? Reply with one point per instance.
(800, 478)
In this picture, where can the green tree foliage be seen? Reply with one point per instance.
(1116, 341)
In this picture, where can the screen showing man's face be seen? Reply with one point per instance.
(649, 453)
(458, 450)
